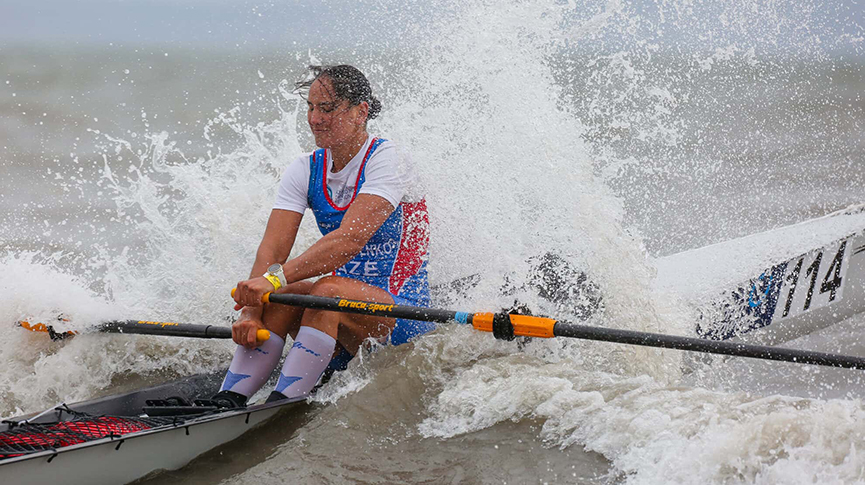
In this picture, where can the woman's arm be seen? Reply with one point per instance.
(278, 239)
(366, 214)
(276, 244)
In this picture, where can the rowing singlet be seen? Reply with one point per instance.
(395, 258)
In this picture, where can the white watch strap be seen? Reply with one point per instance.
(279, 273)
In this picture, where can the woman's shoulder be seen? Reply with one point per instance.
(384, 144)
(393, 151)
(299, 166)
(396, 165)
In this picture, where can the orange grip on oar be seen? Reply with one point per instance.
(483, 322)
(528, 326)
(524, 325)
(265, 298)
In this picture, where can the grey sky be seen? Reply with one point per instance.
(217, 23)
(279, 24)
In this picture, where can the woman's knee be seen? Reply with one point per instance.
(298, 287)
(330, 286)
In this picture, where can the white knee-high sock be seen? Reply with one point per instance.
(250, 369)
(306, 361)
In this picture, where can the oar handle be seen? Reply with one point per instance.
(507, 326)
(265, 298)
(176, 329)
(148, 327)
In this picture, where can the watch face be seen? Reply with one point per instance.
(273, 268)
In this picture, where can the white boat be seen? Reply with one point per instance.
(112, 441)
(780, 284)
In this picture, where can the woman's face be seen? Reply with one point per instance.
(333, 121)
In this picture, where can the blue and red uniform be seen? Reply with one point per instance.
(395, 257)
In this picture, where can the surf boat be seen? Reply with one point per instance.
(774, 286)
(121, 438)
(813, 275)
(765, 288)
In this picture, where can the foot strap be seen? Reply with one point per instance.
(179, 406)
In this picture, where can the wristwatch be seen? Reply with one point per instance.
(276, 276)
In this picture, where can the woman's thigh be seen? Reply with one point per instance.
(349, 329)
(285, 319)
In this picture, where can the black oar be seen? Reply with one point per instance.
(146, 327)
(507, 326)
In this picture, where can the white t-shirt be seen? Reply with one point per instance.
(389, 174)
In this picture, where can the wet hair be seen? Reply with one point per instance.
(348, 83)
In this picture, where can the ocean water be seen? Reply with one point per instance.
(138, 180)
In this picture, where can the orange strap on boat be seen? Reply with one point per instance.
(34, 327)
(41, 327)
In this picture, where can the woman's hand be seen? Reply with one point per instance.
(244, 331)
(249, 292)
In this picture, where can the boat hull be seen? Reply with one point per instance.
(781, 284)
(130, 456)
(125, 459)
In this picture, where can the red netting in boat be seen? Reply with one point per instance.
(32, 437)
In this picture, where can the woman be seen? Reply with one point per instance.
(374, 246)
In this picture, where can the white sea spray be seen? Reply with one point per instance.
(522, 152)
